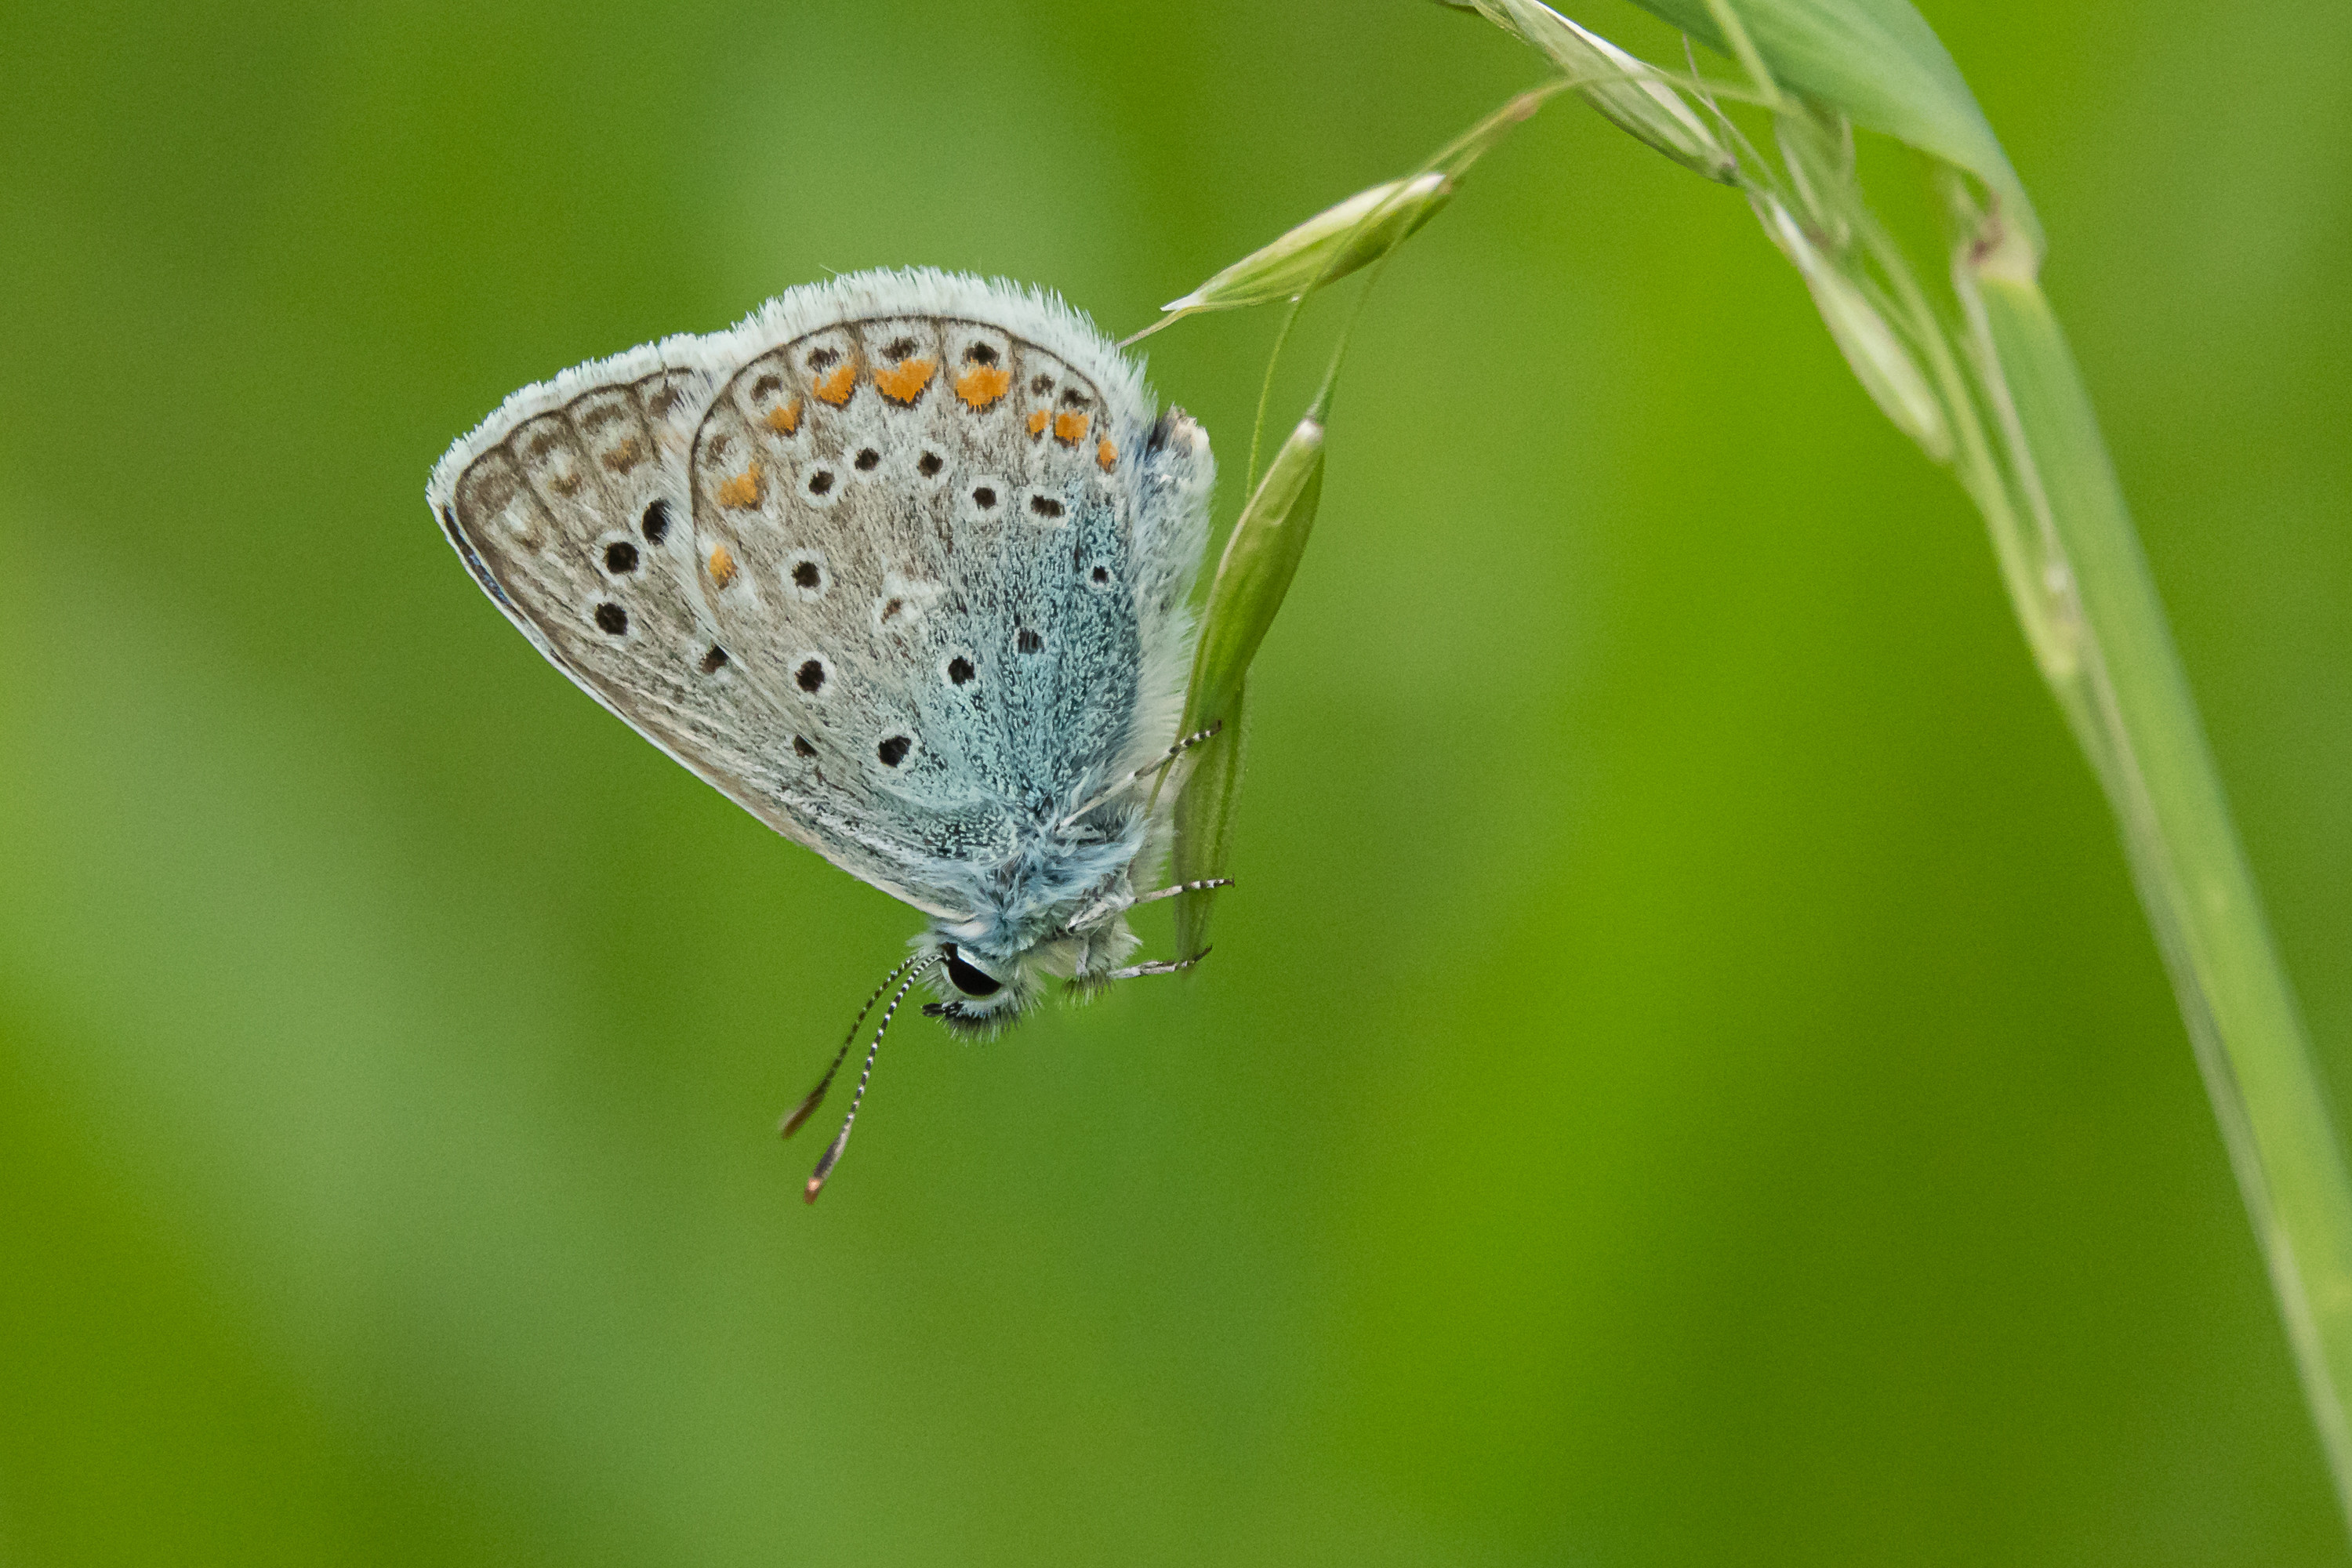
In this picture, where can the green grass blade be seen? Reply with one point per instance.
(1879, 62)
(2130, 703)
(2006, 408)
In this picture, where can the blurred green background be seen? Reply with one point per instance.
(1684, 1079)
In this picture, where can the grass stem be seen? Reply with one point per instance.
(2130, 704)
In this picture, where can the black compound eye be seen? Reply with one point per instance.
(967, 979)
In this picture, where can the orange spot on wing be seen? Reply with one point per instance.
(722, 566)
(1037, 421)
(905, 383)
(838, 384)
(785, 418)
(983, 385)
(1107, 455)
(744, 489)
(1071, 428)
(625, 456)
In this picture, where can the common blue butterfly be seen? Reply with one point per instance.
(900, 566)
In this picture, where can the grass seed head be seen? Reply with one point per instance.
(1325, 248)
(1882, 362)
(1629, 94)
(1260, 558)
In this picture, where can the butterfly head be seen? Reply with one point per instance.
(982, 988)
(978, 995)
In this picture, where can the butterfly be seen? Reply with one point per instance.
(900, 564)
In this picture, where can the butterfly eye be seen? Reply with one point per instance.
(971, 981)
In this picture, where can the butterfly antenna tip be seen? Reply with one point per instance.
(815, 1097)
(865, 1076)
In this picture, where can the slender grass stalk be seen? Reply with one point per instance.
(1984, 382)
(2129, 702)
(1994, 394)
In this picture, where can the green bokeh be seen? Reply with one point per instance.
(1684, 1078)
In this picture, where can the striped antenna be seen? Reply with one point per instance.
(801, 1112)
(840, 1140)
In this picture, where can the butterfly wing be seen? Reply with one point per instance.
(880, 565)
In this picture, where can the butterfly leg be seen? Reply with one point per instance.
(1207, 884)
(1146, 771)
(1164, 966)
(1095, 914)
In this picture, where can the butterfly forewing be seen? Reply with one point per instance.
(876, 574)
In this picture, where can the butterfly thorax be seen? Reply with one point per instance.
(1050, 911)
